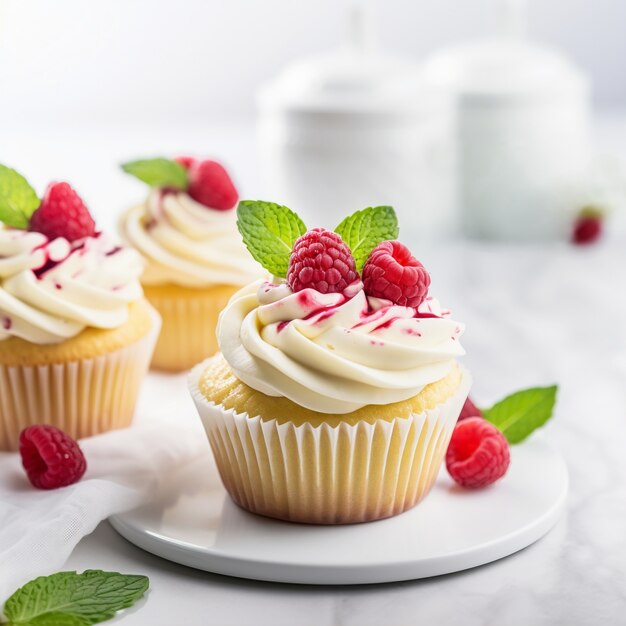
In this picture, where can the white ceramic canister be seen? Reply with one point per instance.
(523, 133)
(358, 128)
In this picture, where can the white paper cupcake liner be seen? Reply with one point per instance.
(324, 474)
(82, 397)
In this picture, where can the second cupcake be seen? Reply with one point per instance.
(186, 231)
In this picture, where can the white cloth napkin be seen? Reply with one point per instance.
(39, 529)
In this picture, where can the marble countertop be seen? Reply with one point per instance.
(534, 316)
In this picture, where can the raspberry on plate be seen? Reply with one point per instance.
(469, 410)
(51, 458)
(321, 260)
(62, 213)
(210, 184)
(478, 453)
(393, 273)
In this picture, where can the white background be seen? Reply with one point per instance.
(128, 60)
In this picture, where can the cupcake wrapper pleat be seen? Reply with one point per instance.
(324, 474)
(83, 397)
(188, 332)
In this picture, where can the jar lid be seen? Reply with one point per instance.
(356, 78)
(498, 68)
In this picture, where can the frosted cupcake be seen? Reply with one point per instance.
(76, 334)
(337, 387)
(186, 232)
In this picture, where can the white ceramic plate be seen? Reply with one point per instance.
(192, 521)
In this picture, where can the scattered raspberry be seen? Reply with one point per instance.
(210, 184)
(321, 260)
(50, 457)
(62, 213)
(587, 227)
(478, 453)
(391, 272)
(469, 410)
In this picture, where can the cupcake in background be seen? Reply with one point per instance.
(337, 388)
(195, 261)
(76, 334)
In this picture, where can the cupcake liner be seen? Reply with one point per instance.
(82, 397)
(188, 330)
(324, 474)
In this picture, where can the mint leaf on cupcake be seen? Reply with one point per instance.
(18, 200)
(519, 414)
(71, 599)
(158, 172)
(365, 229)
(269, 231)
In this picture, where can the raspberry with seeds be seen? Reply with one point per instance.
(210, 184)
(393, 273)
(321, 260)
(51, 458)
(62, 213)
(478, 453)
(469, 410)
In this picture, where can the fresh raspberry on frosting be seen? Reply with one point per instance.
(50, 457)
(478, 453)
(469, 410)
(210, 184)
(391, 272)
(321, 260)
(62, 213)
(587, 228)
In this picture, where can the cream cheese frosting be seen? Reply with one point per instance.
(52, 290)
(335, 353)
(186, 243)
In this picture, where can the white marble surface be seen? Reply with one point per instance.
(534, 316)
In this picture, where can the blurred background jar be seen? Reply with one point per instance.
(356, 128)
(523, 131)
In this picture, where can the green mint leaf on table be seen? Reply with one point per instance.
(519, 414)
(158, 172)
(71, 599)
(364, 230)
(269, 231)
(18, 200)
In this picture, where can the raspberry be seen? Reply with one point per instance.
(210, 184)
(62, 213)
(469, 410)
(392, 273)
(478, 453)
(50, 457)
(185, 161)
(320, 260)
(587, 229)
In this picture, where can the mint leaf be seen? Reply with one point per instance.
(158, 172)
(365, 229)
(71, 599)
(269, 231)
(18, 200)
(521, 413)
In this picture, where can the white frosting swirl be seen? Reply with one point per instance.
(52, 290)
(186, 243)
(334, 353)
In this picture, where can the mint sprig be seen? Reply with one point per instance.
(519, 414)
(269, 231)
(364, 230)
(71, 599)
(18, 200)
(158, 172)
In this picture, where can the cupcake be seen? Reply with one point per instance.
(186, 232)
(76, 334)
(337, 387)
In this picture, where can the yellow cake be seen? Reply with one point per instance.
(336, 391)
(195, 262)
